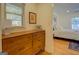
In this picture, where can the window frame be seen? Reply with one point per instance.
(23, 15)
(72, 23)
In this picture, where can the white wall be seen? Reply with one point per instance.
(64, 20)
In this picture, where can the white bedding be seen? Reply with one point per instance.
(67, 34)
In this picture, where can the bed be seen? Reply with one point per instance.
(69, 34)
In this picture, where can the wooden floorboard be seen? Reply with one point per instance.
(61, 48)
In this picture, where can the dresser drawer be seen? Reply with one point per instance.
(36, 49)
(37, 45)
(36, 42)
(26, 51)
(25, 37)
(38, 34)
(38, 37)
(17, 44)
(18, 48)
(8, 40)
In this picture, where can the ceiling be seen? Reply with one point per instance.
(66, 7)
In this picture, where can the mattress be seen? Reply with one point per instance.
(69, 34)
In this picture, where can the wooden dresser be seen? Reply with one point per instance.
(24, 43)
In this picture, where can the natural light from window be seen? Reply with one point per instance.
(14, 14)
(75, 23)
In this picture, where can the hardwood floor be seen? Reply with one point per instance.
(61, 48)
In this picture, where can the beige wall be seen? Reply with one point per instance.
(29, 7)
(45, 20)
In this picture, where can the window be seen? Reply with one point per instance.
(75, 23)
(14, 13)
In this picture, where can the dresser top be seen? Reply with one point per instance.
(20, 33)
